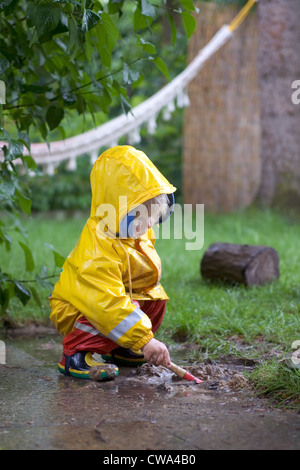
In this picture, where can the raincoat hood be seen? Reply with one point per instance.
(121, 179)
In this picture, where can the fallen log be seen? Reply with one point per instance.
(246, 264)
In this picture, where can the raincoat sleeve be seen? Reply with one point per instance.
(100, 295)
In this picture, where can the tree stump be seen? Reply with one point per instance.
(246, 264)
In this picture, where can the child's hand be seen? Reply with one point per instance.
(156, 353)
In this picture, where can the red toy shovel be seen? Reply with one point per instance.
(184, 374)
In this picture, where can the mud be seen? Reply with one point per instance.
(147, 408)
(215, 377)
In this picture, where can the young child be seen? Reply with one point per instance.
(108, 299)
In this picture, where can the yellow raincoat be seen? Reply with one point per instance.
(103, 274)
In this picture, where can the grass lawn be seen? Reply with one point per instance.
(258, 323)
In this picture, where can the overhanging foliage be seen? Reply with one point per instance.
(57, 56)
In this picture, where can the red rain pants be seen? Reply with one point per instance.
(85, 337)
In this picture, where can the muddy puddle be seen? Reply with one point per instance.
(145, 408)
(214, 377)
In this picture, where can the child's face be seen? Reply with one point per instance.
(145, 217)
(143, 222)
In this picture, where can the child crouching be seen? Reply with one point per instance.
(109, 299)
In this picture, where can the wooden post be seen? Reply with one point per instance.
(221, 144)
(279, 69)
(246, 264)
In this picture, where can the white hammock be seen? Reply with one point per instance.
(108, 134)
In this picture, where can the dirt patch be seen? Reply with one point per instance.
(215, 377)
(220, 376)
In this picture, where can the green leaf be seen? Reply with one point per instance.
(188, 5)
(36, 297)
(104, 100)
(4, 4)
(173, 29)
(25, 202)
(129, 76)
(34, 88)
(54, 116)
(189, 23)
(45, 283)
(160, 64)
(138, 82)
(4, 64)
(5, 296)
(147, 9)
(21, 292)
(115, 6)
(146, 46)
(34, 38)
(14, 150)
(7, 239)
(80, 105)
(73, 36)
(44, 271)
(107, 37)
(44, 17)
(58, 259)
(29, 162)
(7, 189)
(90, 20)
(28, 257)
(140, 21)
(24, 139)
(88, 46)
(125, 105)
(43, 129)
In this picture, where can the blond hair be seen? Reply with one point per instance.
(157, 206)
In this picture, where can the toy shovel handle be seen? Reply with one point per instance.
(177, 370)
(183, 374)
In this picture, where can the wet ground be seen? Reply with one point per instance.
(144, 409)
